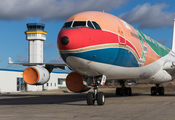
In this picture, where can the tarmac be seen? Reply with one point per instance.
(64, 105)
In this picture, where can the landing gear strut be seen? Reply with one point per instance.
(99, 96)
(123, 90)
(157, 89)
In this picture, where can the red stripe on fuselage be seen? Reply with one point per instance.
(86, 37)
(130, 45)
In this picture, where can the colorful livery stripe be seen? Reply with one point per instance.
(116, 35)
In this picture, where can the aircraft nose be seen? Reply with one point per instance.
(69, 39)
(64, 40)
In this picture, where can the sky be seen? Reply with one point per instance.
(153, 17)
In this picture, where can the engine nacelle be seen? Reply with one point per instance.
(36, 75)
(74, 82)
(162, 76)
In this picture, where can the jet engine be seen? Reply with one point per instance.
(75, 83)
(36, 75)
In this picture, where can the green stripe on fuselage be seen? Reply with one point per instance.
(157, 47)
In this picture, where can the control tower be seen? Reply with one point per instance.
(35, 34)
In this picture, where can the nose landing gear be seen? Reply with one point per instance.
(98, 96)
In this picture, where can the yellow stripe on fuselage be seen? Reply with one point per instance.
(103, 46)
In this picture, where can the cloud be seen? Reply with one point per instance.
(56, 60)
(47, 10)
(49, 45)
(22, 59)
(163, 41)
(1, 59)
(166, 42)
(149, 16)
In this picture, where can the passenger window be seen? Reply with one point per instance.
(79, 24)
(96, 25)
(67, 24)
(90, 25)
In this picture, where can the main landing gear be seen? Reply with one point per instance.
(157, 89)
(99, 96)
(123, 90)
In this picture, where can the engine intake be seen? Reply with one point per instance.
(74, 82)
(36, 75)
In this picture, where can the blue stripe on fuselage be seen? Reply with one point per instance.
(113, 56)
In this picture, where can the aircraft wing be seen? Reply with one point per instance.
(52, 65)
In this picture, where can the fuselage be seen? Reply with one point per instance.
(96, 43)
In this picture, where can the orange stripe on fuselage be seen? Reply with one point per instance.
(114, 24)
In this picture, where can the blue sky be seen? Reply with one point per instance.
(153, 17)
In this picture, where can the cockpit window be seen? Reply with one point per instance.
(79, 24)
(90, 25)
(67, 24)
(96, 25)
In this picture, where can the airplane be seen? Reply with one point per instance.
(98, 46)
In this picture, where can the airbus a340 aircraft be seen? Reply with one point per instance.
(98, 46)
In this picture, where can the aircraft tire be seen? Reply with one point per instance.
(100, 98)
(161, 90)
(90, 98)
(129, 91)
(153, 91)
(126, 91)
(121, 92)
(118, 91)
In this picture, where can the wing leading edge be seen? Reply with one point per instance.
(46, 65)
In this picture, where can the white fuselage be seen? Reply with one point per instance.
(138, 74)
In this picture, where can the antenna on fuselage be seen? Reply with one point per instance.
(173, 42)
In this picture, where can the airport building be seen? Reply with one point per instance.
(12, 81)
